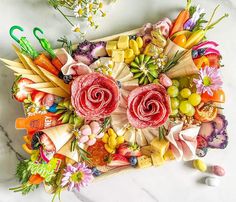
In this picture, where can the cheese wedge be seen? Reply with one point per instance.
(56, 80)
(157, 159)
(34, 78)
(160, 145)
(144, 162)
(54, 91)
(41, 85)
(20, 70)
(17, 50)
(12, 63)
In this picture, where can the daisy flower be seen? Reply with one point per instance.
(76, 176)
(209, 80)
(78, 11)
(76, 28)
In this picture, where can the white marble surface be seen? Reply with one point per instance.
(175, 181)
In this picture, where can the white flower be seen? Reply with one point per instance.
(78, 11)
(76, 28)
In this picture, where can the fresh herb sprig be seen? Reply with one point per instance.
(66, 43)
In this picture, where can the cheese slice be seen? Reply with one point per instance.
(34, 78)
(54, 91)
(41, 85)
(20, 70)
(17, 50)
(56, 80)
(12, 63)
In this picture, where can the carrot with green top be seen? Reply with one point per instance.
(199, 35)
(36, 179)
(183, 16)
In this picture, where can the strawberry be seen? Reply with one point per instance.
(37, 97)
(118, 160)
(128, 150)
(214, 60)
(19, 90)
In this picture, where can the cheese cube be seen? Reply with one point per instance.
(157, 159)
(144, 162)
(147, 150)
(169, 155)
(118, 55)
(110, 46)
(160, 146)
(123, 42)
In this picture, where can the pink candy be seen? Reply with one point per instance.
(165, 80)
(218, 170)
(48, 100)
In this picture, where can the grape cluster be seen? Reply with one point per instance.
(183, 97)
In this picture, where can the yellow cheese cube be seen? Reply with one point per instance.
(147, 150)
(144, 162)
(118, 55)
(169, 155)
(123, 42)
(110, 46)
(157, 159)
(160, 146)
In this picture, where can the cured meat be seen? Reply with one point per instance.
(94, 96)
(148, 106)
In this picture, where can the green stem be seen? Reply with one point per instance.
(217, 21)
(188, 5)
(65, 17)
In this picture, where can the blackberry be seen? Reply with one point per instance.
(67, 78)
(35, 140)
(60, 75)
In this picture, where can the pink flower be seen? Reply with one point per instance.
(76, 176)
(89, 133)
(209, 80)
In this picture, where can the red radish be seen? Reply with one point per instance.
(129, 150)
(19, 90)
(214, 60)
(118, 160)
(37, 97)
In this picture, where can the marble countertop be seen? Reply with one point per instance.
(175, 181)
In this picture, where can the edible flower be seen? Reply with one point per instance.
(76, 176)
(90, 133)
(189, 25)
(78, 11)
(76, 28)
(208, 81)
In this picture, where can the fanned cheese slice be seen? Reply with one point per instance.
(17, 50)
(34, 78)
(130, 85)
(140, 138)
(56, 80)
(12, 63)
(55, 91)
(20, 70)
(148, 135)
(118, 67)
(41, 85)
(130, 135)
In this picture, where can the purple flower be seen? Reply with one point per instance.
(209, 80)
(76, 176)
(189, 25)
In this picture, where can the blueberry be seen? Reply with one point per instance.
(194, 53)
(119, 84)
(201, 51)
(132, 37)
(133, 161)
(60, 75)
(67, 78)
(53, 108)
(96, 172)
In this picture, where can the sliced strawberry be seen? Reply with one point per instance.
(37, 97)
(47, 143)
(118, 160)
(214, 60)
(19, 90)
(129, 150)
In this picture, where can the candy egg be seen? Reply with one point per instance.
(165, 80)
(212, 181)
(53, 108)
(48, 100)
(95, 127)
(200, 165)
(85, 130)
(218, 170)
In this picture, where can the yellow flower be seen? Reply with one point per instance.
(90, 19)
(76, 28)
(90, 7)
(100, 5)
(103, 14)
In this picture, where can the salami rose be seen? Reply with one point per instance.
(148, 106)
(94, 95)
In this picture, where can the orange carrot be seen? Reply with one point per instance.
(46, 64)
(57, 63)
(35, 179)
(181, 19)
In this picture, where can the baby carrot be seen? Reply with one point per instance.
(46, 64)
(198, 35)
(35, 179)
(57, 63)
(181, 19)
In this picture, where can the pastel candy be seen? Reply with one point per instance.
(212, 181)
(218, 170)
(200, 165)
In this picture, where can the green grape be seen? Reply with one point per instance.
(174, 112)
(173, 91)
(191, 112)
(185, 93)
(174, 103)
(183, 82)
(175, 83)
(185, 106)
(194, 99)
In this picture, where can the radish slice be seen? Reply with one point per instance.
(208, 130)
(212, 51)
(43, 155)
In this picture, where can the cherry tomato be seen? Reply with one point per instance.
(205, 113)
(214, 60)
(35, 179)
(180, 40)
(201, 62)
(218, 96)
